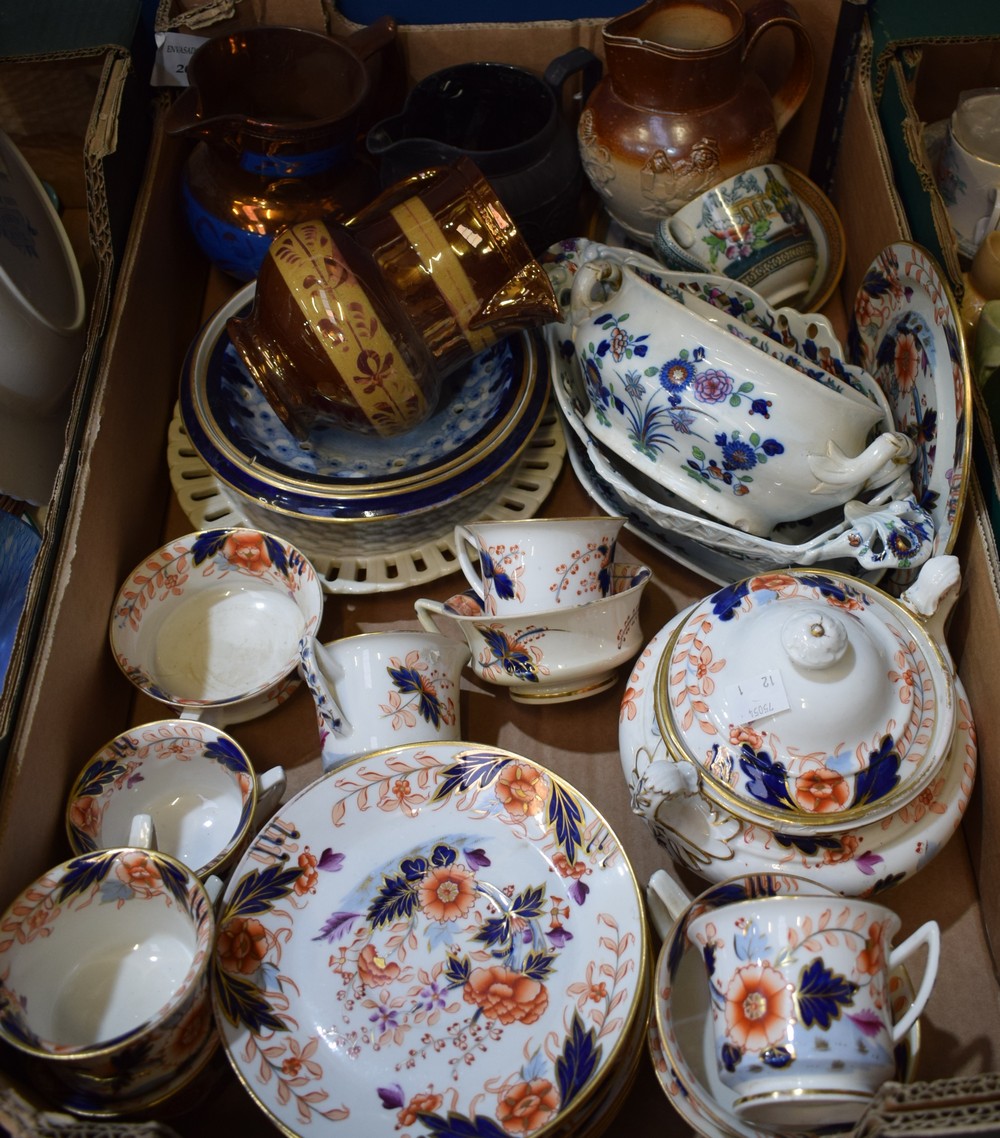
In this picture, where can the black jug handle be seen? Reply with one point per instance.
(578, 61)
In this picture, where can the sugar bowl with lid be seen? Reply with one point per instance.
(803, 721)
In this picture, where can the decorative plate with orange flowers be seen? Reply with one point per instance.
(441, 939)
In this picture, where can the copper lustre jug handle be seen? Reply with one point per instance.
(763, 17)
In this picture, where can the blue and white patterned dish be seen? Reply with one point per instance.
(493, 407)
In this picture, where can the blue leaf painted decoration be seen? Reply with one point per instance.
(822, 994)
(227, 754)
(256, 892)
(455, 1125)
(578, 1061)
(880, 775)
(395, 899)
(477, 768)
(243, 1003)
(566, 817)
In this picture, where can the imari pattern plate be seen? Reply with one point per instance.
(440, 939)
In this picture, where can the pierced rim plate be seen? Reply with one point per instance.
(207, 503)
(871, 857)
(906, 331)
(430, 939)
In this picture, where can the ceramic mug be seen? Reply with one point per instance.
(194, 781)
(104, 991)
(538, 564)
(383, 689)
(968, 167)
(210, 623)
(751, 228)
(802, 1018)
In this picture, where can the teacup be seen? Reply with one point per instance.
(538, 564)
(550, 656)
(383, 689)
(194, 781)
(968, 167)
(104, 992)
(803, 1024)
(211, 622)
(752, 228)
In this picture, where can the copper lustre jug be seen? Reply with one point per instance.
(680, 108)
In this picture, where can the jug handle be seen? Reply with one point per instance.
(366, 41)
(582, 61)
(181, 116)
(761, 18)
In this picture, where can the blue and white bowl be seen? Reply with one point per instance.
(341, 493)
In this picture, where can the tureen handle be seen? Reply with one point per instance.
(593, 285)
(878, 463)
(666, 899)
(899, 535)
(933, 594)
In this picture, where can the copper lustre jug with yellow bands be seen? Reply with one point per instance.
(357, 325)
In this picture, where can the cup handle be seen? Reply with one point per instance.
(270, 787)
(463, 539)
(327, 708)
(666, 899)
(142, 832)
(928, 934)
(427, 612)
(761, 18)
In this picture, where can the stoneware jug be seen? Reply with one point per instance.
(511, 123)
(680, 109)
(276, 113)
(356, 325)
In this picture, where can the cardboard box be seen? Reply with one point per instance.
(78, 115)
(122, 507)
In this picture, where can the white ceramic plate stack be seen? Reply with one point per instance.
(435, 938)
(339, 495)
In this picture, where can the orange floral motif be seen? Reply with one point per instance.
(745, 734)
(192, 1032)
(821, 791)
(907, 360)
(758, 1007)
(306, 881)
(847, 850)
(772, 582)
(629, 707)
(705, 664)
(240, 945)
(248, 551)
(510, 997)
(525, 1107)
(566, 868)
(871, 959)
(447, 893)
(85, 815)
(420, 1104)
(137, 870)
(521, 789)
(375, 970)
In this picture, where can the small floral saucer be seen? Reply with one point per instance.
(440, 939)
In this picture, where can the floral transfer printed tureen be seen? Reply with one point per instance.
(438, 939)
(802, 721)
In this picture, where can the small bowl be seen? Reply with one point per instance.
(340, 493)
(548, 656)
(213, 620)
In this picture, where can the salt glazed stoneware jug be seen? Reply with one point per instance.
(679, 108)
(276, 114)
(357, 325)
